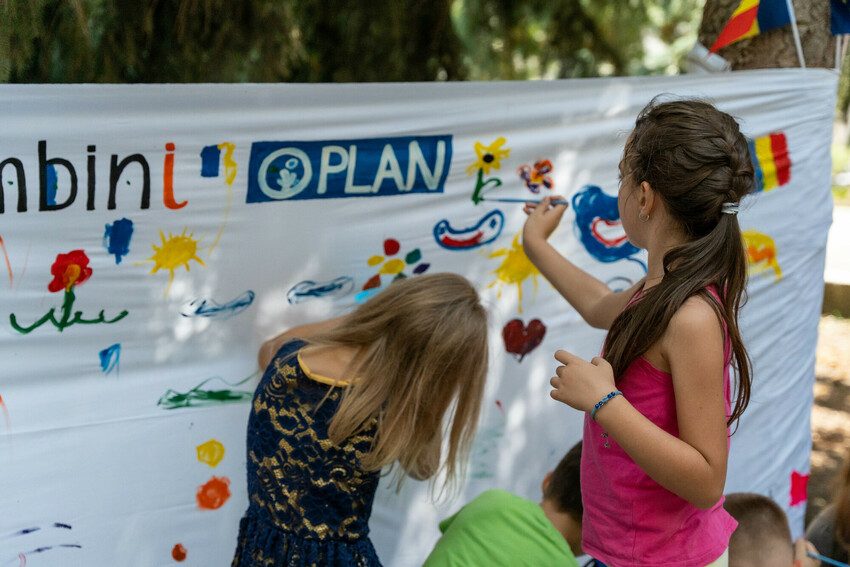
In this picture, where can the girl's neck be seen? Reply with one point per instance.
(661, 242)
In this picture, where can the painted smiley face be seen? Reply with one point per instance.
(599, 227)
(486, 230)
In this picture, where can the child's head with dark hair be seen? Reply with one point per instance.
(563, 488)
(763, 538)
(562, 497)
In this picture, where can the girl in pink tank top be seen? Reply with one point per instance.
(659, 402)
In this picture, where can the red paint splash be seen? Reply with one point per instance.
(178, 552)
(391, 247)
(214, 493)
(69, 270)
(6, 416)
(374, 281)
(799, 488)
(520, 339)
(8, 264)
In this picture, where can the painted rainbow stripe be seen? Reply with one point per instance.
(771, 162)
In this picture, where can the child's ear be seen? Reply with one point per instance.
(647, 196)
(544, 486)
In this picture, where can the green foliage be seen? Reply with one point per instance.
(319, 41)
(504, 39)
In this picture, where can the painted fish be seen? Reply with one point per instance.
(309, 289)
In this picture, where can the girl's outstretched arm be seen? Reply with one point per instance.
(271, 346)
(594, 301)
(692, 465)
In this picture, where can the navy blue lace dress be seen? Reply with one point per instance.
(309, 500)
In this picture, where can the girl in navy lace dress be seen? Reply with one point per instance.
(344, 398)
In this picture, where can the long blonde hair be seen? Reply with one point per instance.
(421, 352)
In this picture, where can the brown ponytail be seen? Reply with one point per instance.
(696, 159)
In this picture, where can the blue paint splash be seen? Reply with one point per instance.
(116, 238)
(310, 289)
(594, 212)
(52, 184)
(485, 231)
(364, 295)
(211, 309)
(210, 157)
(110, 358)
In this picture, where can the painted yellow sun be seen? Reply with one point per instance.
(175, 251)
(514, 269)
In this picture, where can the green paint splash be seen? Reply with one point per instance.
(198, 397)
(68, 317)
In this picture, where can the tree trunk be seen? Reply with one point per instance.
(774, 48)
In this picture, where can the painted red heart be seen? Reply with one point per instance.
(521, 339)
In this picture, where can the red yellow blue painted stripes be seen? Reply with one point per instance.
(771, 161)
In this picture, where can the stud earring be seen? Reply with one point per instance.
(643, 217)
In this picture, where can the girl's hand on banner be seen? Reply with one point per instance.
(581, 384)
(543, 218)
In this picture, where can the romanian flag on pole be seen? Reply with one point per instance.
(751, 18)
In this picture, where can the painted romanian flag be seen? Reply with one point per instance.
(771, 161)
(752, 17)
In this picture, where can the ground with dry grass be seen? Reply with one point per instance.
(831, 414)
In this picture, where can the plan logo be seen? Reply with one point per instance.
(282, 171)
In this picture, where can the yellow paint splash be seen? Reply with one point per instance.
(514, 269)
(392, 267)
(210, 452)
(174, 252)
(230, 165)
(761, 253)
(230, 168)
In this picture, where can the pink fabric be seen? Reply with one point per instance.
(631, 520)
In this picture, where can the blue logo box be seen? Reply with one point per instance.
(283, 171)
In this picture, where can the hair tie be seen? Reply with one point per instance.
(729, 209)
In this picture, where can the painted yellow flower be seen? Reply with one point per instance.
(487, 157)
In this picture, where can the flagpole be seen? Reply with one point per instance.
(837, 52)
(796, 33)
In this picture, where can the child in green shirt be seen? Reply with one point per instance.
(499, 528)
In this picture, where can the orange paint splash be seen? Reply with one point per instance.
(761, 253)
(168, 180)
(6, 416)
(214, 493)
(178, 552)
(8, 264)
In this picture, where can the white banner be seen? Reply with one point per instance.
(153, 235)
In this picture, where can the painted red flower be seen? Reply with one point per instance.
(69, 270)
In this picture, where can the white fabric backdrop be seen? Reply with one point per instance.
(110, 477)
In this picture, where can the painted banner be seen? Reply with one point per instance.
(153, 235)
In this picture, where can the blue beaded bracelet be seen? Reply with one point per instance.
(604, 401)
